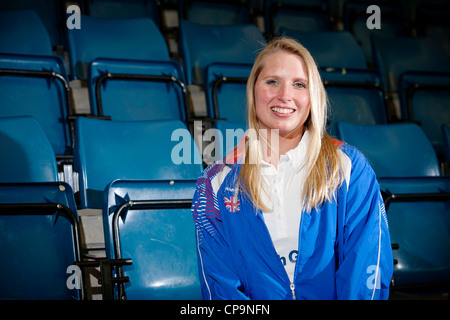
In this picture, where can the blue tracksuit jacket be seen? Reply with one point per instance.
(344, 249)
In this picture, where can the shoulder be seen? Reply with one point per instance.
(214, 176)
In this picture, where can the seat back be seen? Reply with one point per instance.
(425, 99)
(39, 242)
(144, 150)
(27, 155)
(296, 15)
(394, 150)
(393, 57)
(226, 91)
(215, 12)
(331, 49)
(223, 43)
(132, 39)
(130, 90)
(157, 234)
(123, 9)
(418, 226)
(22, 32)
(44, 80)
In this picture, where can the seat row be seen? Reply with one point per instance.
(306, 15)
(129, 171)
(126, 83)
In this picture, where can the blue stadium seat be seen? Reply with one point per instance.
(150, 223)
(40, 240)
(425, 99)
(355, 93)
(38, 217)
(331, 49)
(419, 71)
(296, 15)
(416, 200)
(123, 9)
(23, 32)
(393, 57)
(215, 12)
(50, 12)
(394, 150)
(129, 90)
(225, 91)
(27, 155)
(126, 83)
(144, 150)
(38, 86)
(217, 44)
(129, 39)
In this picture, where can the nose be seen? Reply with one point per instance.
(285, 93)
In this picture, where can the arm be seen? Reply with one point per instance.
(217, 277)
(365, 253)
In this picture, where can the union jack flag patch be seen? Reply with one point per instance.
(232, 204)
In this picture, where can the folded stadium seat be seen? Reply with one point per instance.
(146, 150)
(355, 93)
(129, 39)
(23, 32)
(150, 223)
(147, 154)
(226, 100)
(128, 70)
(416, 199)
(27, 155)
(50, 12)
(296, 15)
(38, 86)
(27, 65)
(129, 90)
(218, 12)
(357, 19)
(38, 217)
(418, 70)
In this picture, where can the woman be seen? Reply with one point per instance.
(293, 213)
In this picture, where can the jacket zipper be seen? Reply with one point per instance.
(293, 291)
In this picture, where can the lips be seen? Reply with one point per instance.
(282, 111)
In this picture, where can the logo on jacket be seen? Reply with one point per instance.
(232, 204)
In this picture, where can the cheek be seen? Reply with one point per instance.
(262, 99)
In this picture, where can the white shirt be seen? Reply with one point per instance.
(284, 186)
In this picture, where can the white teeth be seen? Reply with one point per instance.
(282, 110)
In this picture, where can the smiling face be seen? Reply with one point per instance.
(281, 94)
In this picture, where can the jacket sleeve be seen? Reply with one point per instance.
(217, 276)
(365, 253)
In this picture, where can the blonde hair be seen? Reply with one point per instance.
(323, 165)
